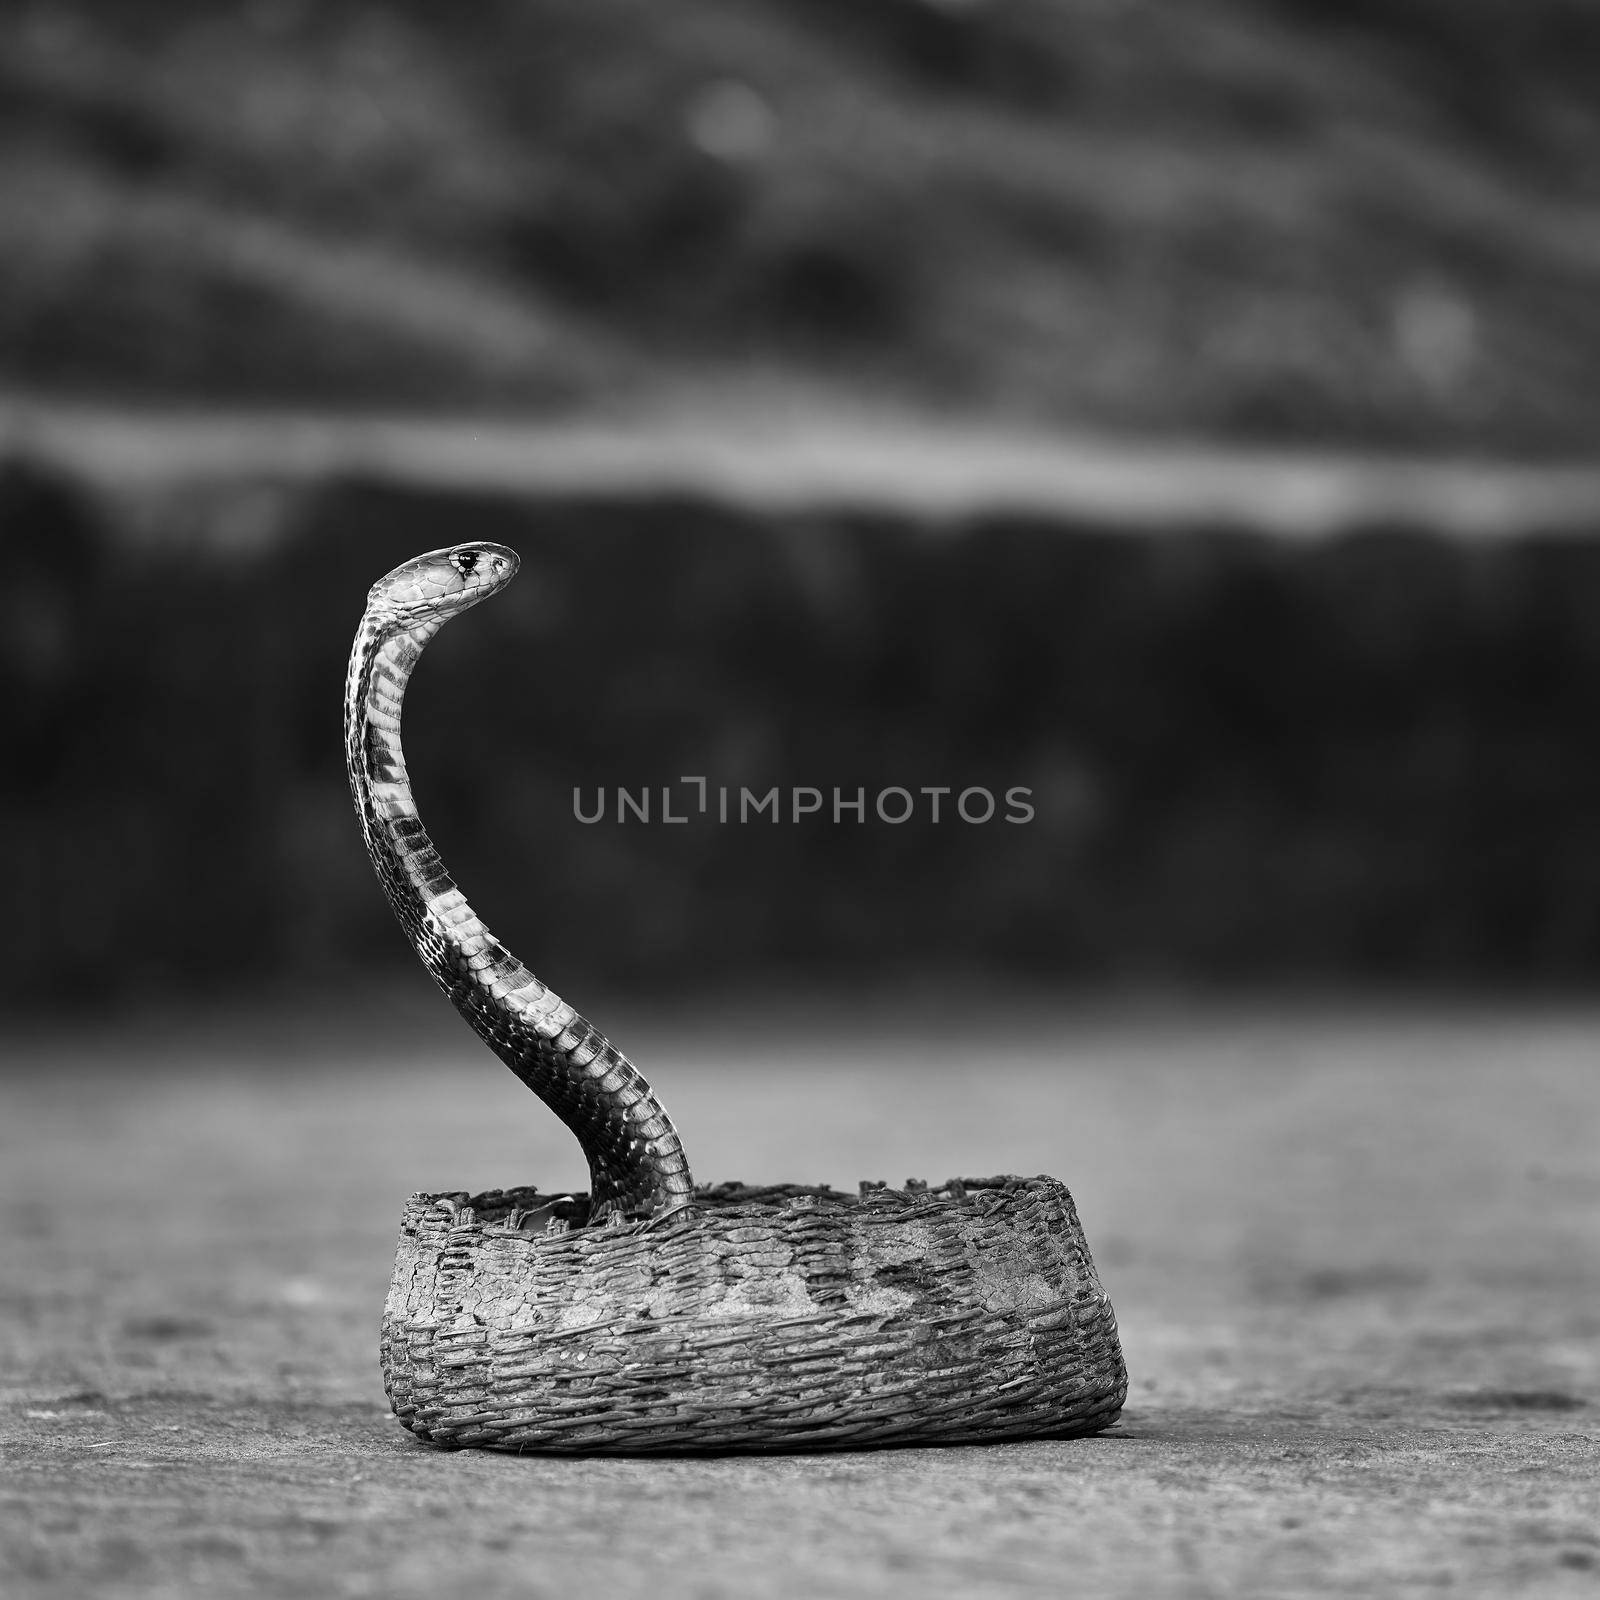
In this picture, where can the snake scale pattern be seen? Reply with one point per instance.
(637, 1166)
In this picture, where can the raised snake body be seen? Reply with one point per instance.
(636, 1159)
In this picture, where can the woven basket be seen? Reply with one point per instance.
(762, 1319)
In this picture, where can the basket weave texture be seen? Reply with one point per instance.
(763, 1319)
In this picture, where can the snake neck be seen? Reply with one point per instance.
(636, 1159)
(407, 864)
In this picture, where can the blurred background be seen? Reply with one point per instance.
(1189, 412)
(1190, 261)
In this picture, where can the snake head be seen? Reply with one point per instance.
(435, 586)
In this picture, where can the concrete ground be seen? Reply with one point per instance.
(1356, 1263)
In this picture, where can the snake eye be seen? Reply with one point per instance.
(465, 561)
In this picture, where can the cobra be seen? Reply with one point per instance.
(637, 1165)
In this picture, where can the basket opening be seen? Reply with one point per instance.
(535, 1209)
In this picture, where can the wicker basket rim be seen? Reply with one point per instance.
(492, 1205)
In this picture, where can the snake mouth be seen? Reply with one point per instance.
(442, 583)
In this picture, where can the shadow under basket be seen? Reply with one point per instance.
(762, 1319)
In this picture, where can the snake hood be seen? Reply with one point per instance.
(440, 584)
